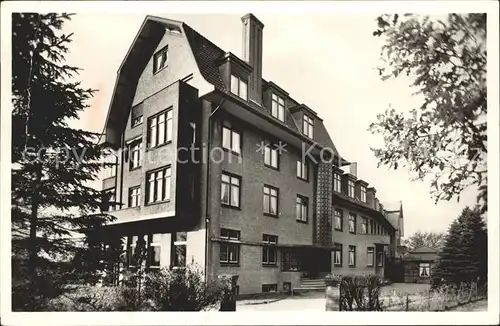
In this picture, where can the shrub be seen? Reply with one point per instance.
(360, 293)
(182, 290)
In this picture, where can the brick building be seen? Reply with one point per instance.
(264, 195)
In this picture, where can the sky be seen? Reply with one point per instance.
(326, 61)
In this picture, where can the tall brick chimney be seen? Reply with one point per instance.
(252, 53)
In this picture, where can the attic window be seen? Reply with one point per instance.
(278, 107)
(160, 59)
(308, 126)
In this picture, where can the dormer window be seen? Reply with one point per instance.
(350, 188)
(239, 87)
(337, 181)
(308, 126)
(363, 194)
(278, 107)
(160, 60)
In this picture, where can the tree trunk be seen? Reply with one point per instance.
(33, 245)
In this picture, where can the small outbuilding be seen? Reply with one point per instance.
(419, 264)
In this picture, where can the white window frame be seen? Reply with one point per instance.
(303, 170)
(363, 194)
(352, 254)
(270, 242)
(352, 218)
(239, 87)
(135, 153)
(271, 156)
(153, 244)
(231, 139)
(370, 252)
(337, 182)
(302, 208)
(134, 196)
(158, 185)
(337, 256)
(272, 194)
(162, 56)
(351, 188)
(308, 126)
(177, 243)
(421, 267)
(278, 107)
(160, 128)
(338, 217)
(233, 184)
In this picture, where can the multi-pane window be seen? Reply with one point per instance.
(337, 182)
(303, 170)
(364, 225)
(271, 200)
(290, 260)
(109, 200)
(352, 255)
(278, 107)
(154, 251)
(239, 87)
(137, 115)
(269, 249)
(350, 188)
(160, 128)
(308, 126)
(135, 149)
(269, 287)
(363, 194)
(370, 227)
(302, 207)
(229, 251)
(338, 219)
(230, 190)
(134, 196)
(160, 59)
(271, 156)
(179, 246)
(380, 258)
(424, 269)
(109, 169)
(231, 139)
(158, 185)
(370, 256)
(352, 223)
(337, 255)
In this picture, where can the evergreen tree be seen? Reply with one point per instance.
(464, 257)
(52, 163)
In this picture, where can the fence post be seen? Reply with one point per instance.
(407, 302)
(332, 294)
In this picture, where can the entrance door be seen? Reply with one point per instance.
(317, 263)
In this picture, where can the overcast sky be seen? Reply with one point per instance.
(326, 61)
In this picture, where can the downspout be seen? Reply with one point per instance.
(207, 185)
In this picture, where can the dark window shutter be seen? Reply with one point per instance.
(137, 110)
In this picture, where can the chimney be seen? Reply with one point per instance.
(252, 53)
(370, 196)
(353, 169)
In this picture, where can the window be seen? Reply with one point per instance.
(160, 59)
(352, 223)
(109, 200)
(364, 225)
(271, 200)
(239, 87)
(352, 256)
(158, 185)
(131, 251)
(370, 227)
(135, 149)
(371, 256)
(271, 156)
(137, 250)
(109, 170)
(136, 115)
(290, 261)
(229, 251)
(363, 194)
(337, 255)
(308, 126)
(278, 107)
(302, 207)
(269, 287)
(380, 258)
(350, 188)
(154, 252)
(179, 245)
(160, 128)
(269, 250)
(303, 170)
(337, 182)
(424, 269)
(231, 139)
(134, 196)
(338, 219)
(230, 190)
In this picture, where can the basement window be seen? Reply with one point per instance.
(160, 60)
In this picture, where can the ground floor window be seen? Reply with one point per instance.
(179, 249)
(229, 250)
(337, 255)
(269, 250)
(154, 252)
(371, 256)
(269, 287)
(380, 258)
(424, 270)
(290, 261)
(352, 256)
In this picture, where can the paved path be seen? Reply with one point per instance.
(290, 304)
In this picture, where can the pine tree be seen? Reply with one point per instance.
(464, 257)
(52, 163)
